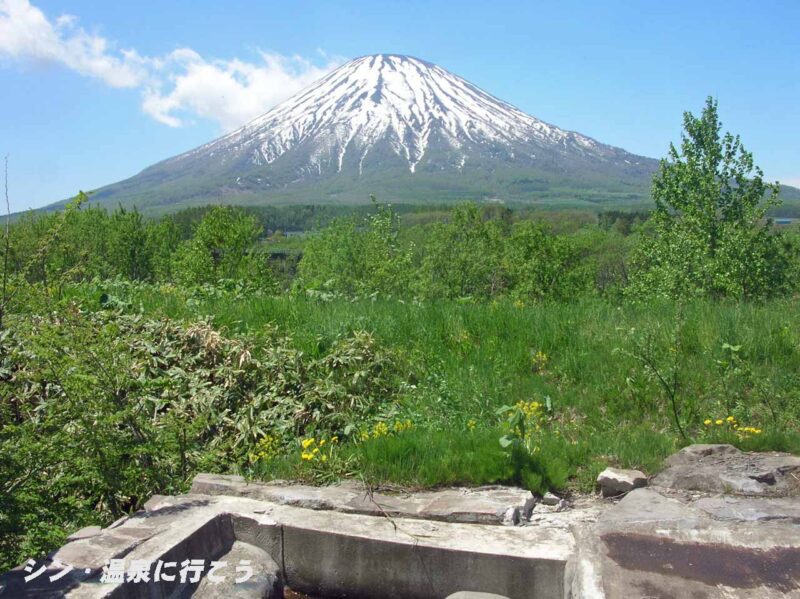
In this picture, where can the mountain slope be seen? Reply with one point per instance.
(399, 127)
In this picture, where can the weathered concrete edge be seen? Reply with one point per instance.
(513, 508)
(295, 537)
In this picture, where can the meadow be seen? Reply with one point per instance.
(593, 366)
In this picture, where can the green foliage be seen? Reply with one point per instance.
(663, 362)
(432, 457)
(357, 256)
(707, 235)
(127, 245)
(162, 239)
(479, 254)
(463, 257)
(542, 266)
(222, 247)
(623, 222)
(82, 243)
(100, 410)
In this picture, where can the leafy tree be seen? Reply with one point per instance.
(358, 256)
(127, 245)
(541, 265)
(463, 258)
(221, 248)
(708, 235)
(162, 241)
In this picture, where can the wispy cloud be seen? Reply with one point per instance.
(175, 88)
(229, 91)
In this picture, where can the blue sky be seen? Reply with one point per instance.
(92, 92)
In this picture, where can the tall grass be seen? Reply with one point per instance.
(466, 360)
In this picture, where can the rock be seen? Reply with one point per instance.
(512, 517)
(155, 503)
(475, 595)
(614, 481)
(118, 522)
(550, 499)
(751, 509)
(725, 469)
(650, 545)
(527, 509)
(86, 532)
(265, 583)
(482, 505)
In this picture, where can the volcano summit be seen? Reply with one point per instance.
(401, 128)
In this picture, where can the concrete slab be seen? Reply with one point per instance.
(484, 505)
(324, 554)
(655, 546)
(416, 558)
(659, 541)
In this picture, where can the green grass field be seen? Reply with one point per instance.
(464, 361)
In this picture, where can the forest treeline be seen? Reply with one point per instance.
(472, 252)
(708, 236)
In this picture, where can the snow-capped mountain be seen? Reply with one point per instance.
(396, 126)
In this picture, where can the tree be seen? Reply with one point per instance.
(540, 265)
(708, 235)
(463, 257)
(222, 247)
(356, 256)
(128, 253)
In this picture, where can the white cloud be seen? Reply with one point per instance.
(27, 34)
(175, 87)
(230, 91)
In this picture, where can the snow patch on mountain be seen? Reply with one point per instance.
(396, 99)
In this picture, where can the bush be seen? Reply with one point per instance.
(222, 247)
(357, 256)
(101, 410)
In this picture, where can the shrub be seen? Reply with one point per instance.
(100, 410)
